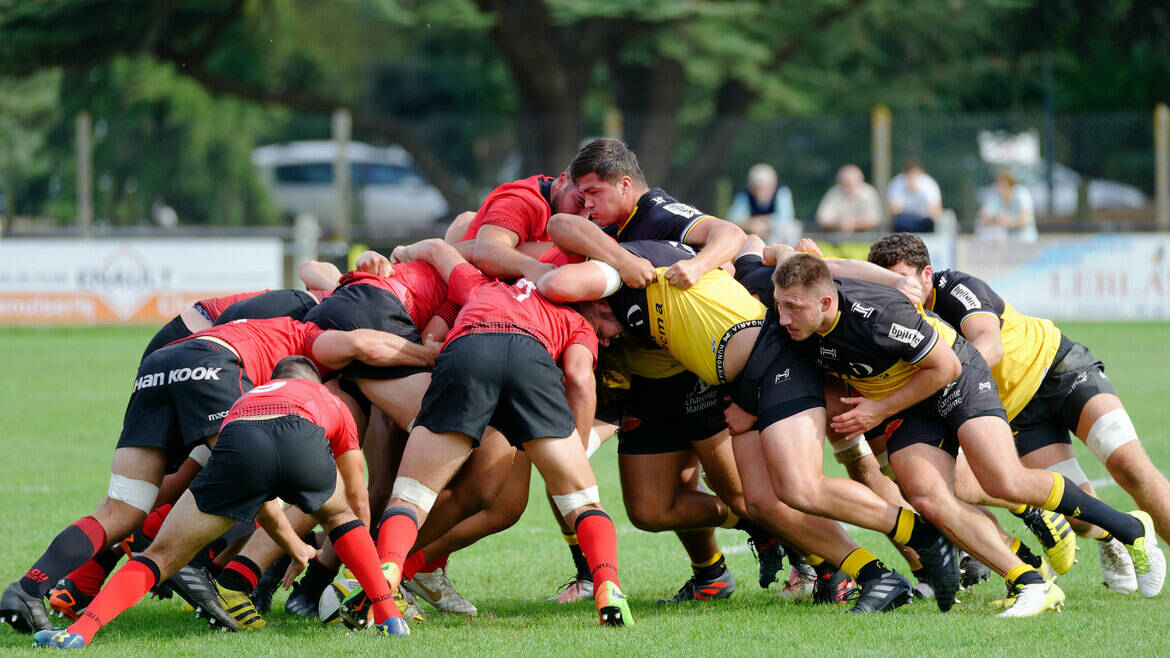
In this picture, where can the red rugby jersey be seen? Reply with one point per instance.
(416, 284)
(303, 398)
(216, 305)
(491, 306)
(261, 343)
(520, 206)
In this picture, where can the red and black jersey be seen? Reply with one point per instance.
(522, 207)
(416, 284)
(303, 398)
(491, 307)
(216, 305)
(261, 343)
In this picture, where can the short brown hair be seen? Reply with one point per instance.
(609, 158)
(900, 248)
(805, 271)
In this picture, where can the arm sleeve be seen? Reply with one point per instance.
(342, 429)
(518, 213)
(962, 296)
(463, 282)
(900, 329)
(583, 334)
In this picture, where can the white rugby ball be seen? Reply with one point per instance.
(329, 605)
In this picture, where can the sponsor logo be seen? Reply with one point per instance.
(193, 374)
(782, 376)
(984, 386)
(1082, 377)
(148, 381)
(902, 334)
(635, 316)
(268, 387)
(861, 369)
(861, 309)
(218, 416)
(658, 200)
(829, 352)
(942, 281)
(966, 297)
(682, 210)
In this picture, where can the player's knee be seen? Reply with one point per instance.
(412, 491)
(648, 518)
(850, 451)
(1111, 431)
(571, 504)
(802, 495)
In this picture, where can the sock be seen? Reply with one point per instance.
(919, 574)
(579, 560)
(126, 588)
(1072, 501)
(396, 535)
(711, 569)
(241, 574)
(154, 521)
(912, 530)
(317, 577)
(356, 549)
(732, 521)
(862, 566)
(73, 547)
(598, 539)
(434, 564)
(413, 564)
(1105, 537)
(1025, 554)
(89, 577)
(1023, 574)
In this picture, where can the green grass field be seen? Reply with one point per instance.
(64, 392)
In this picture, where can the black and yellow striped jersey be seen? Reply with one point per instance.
(657, 216)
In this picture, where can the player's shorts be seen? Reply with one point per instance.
(1074, 376)
(359, 306)
(508, 381)
(778, 381)
(937, 419)
(668, 414)
(254, 461)
(170, 332)
(181, 396)
(272, 304)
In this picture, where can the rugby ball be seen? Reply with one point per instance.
(329, 605)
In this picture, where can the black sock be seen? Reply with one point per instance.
(1077, 504)
(871, 570)
(233, 579)
(1027, 556)
(70, 549)
(824, 570)
(919, 574)
(1029, 577)
(711, 571)
(581, 563)
(317, 577)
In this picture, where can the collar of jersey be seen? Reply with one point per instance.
(627, 220)
(830, 329)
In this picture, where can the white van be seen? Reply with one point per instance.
(390, 196)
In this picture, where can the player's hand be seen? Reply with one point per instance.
(684, 274)
(372, 262)
(738, 420)
(300, 559)
(865, 415)
(401, 254)
(809, 246)
(638, 273)
(433, 346)
(911, 287)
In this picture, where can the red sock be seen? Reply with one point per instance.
(154, 521)
(598, 541)
(126, 588)
(90, 576)
(414, 563)
(434, 564)
(356, 549)
(395, 538)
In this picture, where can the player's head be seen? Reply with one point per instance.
(610, 179)
(805, 294)
(599, 315)
(296, 367)
(905, 254)
(566, 196)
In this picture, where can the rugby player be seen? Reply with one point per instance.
(181, 394)
(931, 399)
(289, 438)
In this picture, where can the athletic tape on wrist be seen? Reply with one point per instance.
(568, 502)
(1110, 432)
(847, 451)
(1071, 469)
(414, 492)
(138, 494)
(200, 453)
(594, 443)
(613, 279)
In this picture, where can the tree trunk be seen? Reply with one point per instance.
(650, 98)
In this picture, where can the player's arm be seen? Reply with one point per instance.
(336, 349)
(848, 268)
(982, 331)
(578, 235)
(719, 241)
(578, 282)
(495, 253)
(317, 275)
(372, 262)
(580, 386)
(352, 470)
(276, 524)
(437, 253)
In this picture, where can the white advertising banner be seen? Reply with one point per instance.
(1077, 277)
(127, 281)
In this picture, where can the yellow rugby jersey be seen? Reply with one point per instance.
(877, 339)
(1029, 344)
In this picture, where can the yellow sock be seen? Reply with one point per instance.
(1019, 510)
(718, 556)
(1015, 572)
(570, 538)
(814, 560)
(856, 560)
(903, 527)
(1016, 544)
(1056, 494)
(730, 521)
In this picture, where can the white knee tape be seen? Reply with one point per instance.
(1109, 433)
(571, 501)
(848, 451)
(414, 492)
(1071, 469)
(200, 453)
(594, 443)
(138, 494)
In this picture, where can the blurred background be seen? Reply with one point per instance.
(325, 125)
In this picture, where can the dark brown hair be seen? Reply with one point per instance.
(609, 158)
(805, 271)
(899, 248)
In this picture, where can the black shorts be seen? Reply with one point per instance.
(272, 304)
(1055, 409)
(778, 381)
(360, 306)
(936, 420)
(258, 460)
(508, 381)
(181, 395)
(666, 415)
(170, 332)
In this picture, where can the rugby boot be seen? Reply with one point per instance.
(802, 581)
(1117, 567)
(437, 589)
(392, 626)
(720, 587)
(612, 607)
(770, 555)
(881, 594)
(1055, 535)
(972, 571)
(573, 591)
(23, 611)
(67, 600)
(268, 584)
(302, 601)
(59, 638)
(196, 587)
(941, 561)
(240, 607)
(1149, 564)
(1034, 599)
(833, 587)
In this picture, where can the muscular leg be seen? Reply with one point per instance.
(501, 514)
(654, 499)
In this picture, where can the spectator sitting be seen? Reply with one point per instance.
(764, 207)
(914, 200)
(1007, 214)
(850, 205)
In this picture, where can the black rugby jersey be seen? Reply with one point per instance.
(658, 216)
